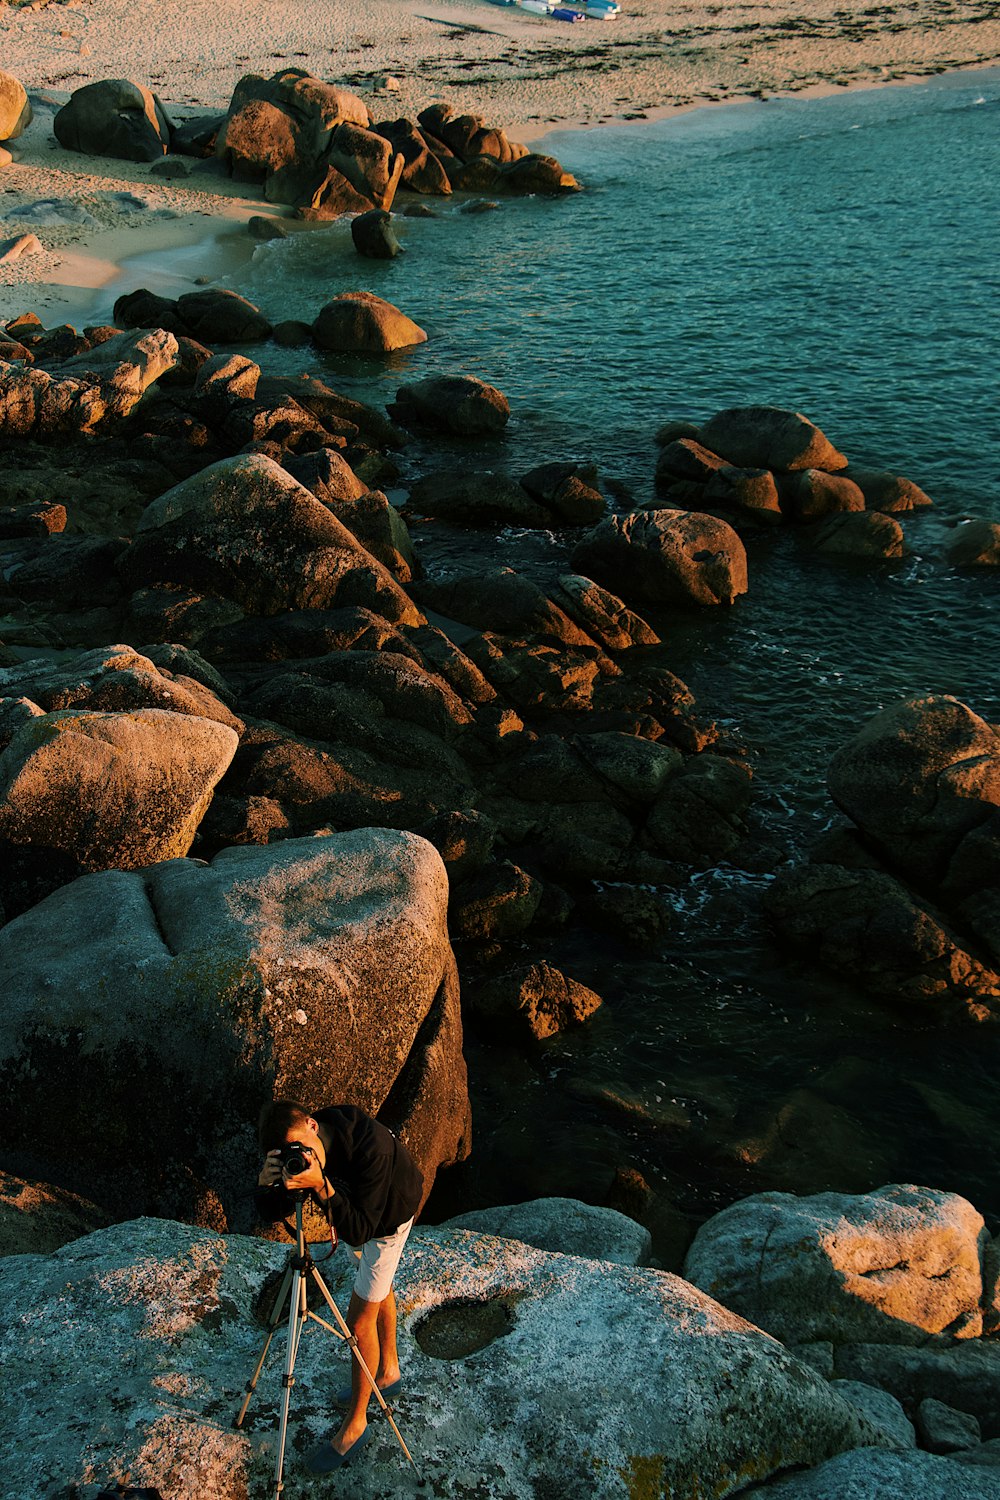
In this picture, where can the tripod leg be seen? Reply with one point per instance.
(297, 1314)
(273, 1322)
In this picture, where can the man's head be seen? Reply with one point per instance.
(284, 1121)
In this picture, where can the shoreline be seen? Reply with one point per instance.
(123, 213)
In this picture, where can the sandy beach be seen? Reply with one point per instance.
(523, 72)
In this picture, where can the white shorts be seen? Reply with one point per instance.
(377, 1262)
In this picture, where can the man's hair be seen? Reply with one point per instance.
(277, 1119)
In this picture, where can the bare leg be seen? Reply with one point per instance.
(362, 1318)
(388, 1363)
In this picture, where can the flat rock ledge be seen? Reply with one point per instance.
(524, 1374)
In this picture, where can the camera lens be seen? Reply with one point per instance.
(295, 1160)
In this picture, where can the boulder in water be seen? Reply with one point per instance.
(769, 437)
(459, 404)
(665, 557)
(917, 778)
(361, 323)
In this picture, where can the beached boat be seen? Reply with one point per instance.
(564, 13)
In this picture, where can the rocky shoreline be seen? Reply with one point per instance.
(261, 772)
(815, 1346)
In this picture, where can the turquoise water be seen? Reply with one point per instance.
(838, 256)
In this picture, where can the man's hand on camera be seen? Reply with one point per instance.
(270, 1172)
(306, 1181)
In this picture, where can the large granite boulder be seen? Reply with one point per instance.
(117, 679)
(893, 1266)
(665, 557)
(875, 1474)
(15, 111)
(149, 1015)
(218, 316)
(114, 117)
(361, 323)
(245, 530)
(917, 779)
(93, 790)
(769, 437)
(564, 1226)
(278, 131)
(589, 1378)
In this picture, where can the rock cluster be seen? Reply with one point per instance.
(280, 668)
(764, 466)
(906, 899)
(838, 1338)
(316, 146)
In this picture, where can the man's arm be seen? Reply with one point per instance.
(359, 1195)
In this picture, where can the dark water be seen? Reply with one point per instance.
(837, 256)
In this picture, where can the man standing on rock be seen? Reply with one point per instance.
(369, 1186)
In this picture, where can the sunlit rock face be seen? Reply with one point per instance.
(134, 1345)
(890, 1267)
(148, 1015)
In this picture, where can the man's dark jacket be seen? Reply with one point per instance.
(376, 1183)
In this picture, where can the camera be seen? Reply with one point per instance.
(295, 1158)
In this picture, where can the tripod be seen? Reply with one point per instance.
(294, 1286)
